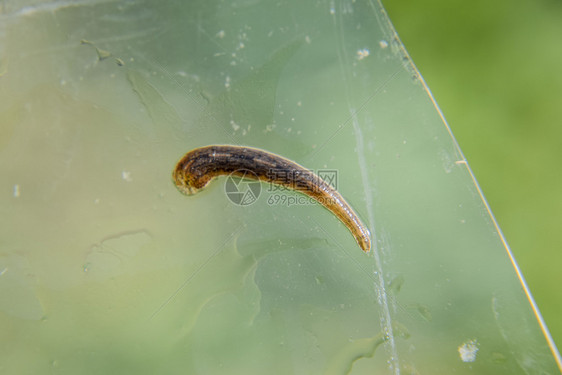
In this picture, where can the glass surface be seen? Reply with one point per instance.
(106, 268)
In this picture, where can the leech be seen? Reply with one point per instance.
(199, 166)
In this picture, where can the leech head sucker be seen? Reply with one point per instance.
(188, 178)
(183, 177)
(365, 244)
(364, 241)
(183, 182)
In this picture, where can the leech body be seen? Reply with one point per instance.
(199, 166)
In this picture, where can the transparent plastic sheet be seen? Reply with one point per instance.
(106, 268)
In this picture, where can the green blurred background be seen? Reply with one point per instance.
(495, 69)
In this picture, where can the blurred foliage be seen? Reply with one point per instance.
(494, 69)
